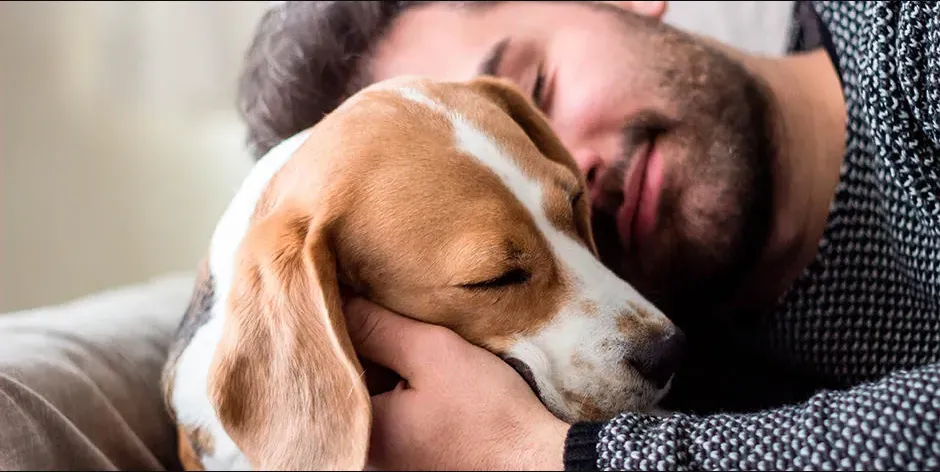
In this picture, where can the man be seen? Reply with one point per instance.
(788, 220)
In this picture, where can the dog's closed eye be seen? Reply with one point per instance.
(576, 198)
(515, 276)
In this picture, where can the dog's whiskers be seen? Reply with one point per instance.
(353, 387)
(581, 404)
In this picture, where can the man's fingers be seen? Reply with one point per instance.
(390, 431)
(386, 338)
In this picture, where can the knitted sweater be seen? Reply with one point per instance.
(845, 372)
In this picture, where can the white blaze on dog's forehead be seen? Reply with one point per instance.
(415, 95)
(190, 397)
(549, 352)
(593, 279)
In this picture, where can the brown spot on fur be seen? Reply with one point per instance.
(588, 307)
(578, 362)
(202, 442)
(650, 320)
(587, 409)
(641, 311)
(641, 326)
(629, 326)
(193, 445)
(190, 458)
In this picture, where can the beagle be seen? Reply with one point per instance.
(450, 202)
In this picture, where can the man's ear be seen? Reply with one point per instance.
(285, 381)
(654, 10)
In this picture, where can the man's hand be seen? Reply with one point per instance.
(460, 407)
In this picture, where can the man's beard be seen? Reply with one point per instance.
(715, 203)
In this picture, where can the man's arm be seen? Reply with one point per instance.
(892, 54)
(893, 423)
(916, 54)
(79, 381)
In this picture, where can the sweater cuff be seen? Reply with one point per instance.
(581, 446)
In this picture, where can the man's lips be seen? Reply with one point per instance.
(644, 222)
(634, 202)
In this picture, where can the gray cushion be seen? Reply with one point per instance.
(79, 382)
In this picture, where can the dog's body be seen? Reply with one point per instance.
(449, 202)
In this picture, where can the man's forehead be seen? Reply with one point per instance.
(447, 41)
(438, 41)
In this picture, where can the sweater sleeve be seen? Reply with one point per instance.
(893, 50)
(916, 55)
(893, 423)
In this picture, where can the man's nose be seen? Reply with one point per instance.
(658, 360)
(590, 163)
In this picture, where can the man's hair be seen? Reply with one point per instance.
(304, 60)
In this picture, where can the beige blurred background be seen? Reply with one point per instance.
(119, 143)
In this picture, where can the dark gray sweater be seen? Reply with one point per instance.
(845, 372)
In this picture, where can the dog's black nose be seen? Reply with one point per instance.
(659, 359)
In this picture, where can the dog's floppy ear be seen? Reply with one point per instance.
(518, 106)
(285, 381)
(521, 109)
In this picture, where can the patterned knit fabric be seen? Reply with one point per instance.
(865, 315)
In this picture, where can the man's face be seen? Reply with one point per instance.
(673, 136)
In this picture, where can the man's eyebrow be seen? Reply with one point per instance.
(490, 64)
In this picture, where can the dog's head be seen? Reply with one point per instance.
(452, 203)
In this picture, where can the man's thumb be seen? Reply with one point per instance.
(381, 336)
